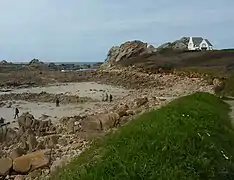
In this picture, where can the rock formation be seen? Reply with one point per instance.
(127, 50)
(28, 123)
(31, 161)
(35, 62)
(180, 44)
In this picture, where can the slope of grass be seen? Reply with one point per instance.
(229, 86)
(191, 138)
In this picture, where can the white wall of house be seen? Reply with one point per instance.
(190, 44)
(204, 45)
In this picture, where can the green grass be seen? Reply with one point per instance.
(229, 86)
(182, 140)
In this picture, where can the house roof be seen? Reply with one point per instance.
(208, 42)
(197, 40)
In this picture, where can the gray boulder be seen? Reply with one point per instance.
(127, 50)
(181, 44)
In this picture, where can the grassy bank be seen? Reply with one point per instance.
(191, 138)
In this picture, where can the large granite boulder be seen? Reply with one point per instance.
(5, 166)
(28, 122)
(31, 161)
(100, 122)
(181, 44)
(127, 50)
(35, 62)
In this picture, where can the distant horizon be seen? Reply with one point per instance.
(57, 62)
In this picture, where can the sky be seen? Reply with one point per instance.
(84, 30)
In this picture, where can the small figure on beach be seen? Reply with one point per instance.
(57, 102)
(2, 120)
(103, 97)
(111, 98)
(16, 113)
(106, 97)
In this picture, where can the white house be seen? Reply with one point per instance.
(199, 43)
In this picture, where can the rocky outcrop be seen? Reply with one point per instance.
(70, 125)
(35, 62)
(132, 49)
(8, 135)
(31, 161)
(122, 110)
(141, 101)
(17, 152)
(180, 44)
(27, 124)
(127, 50)
(100, 122)
(5, 166)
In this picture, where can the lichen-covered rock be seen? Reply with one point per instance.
(141, 101)
(28, 122)
(32, 142)
(17, 152)
(19, 177)
(5, 166)
(99, 122)
(31, 161)
(51, 141)
(122, 110)
(109, 120)
(217, 82)
(11, 135)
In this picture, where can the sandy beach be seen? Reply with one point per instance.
(87, 89)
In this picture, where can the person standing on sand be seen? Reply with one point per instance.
(103, 97)
(57, 102)
(16, 113)
(2, 120)
(106, 97)
(111, 97)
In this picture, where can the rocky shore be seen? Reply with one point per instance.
(37, 147)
